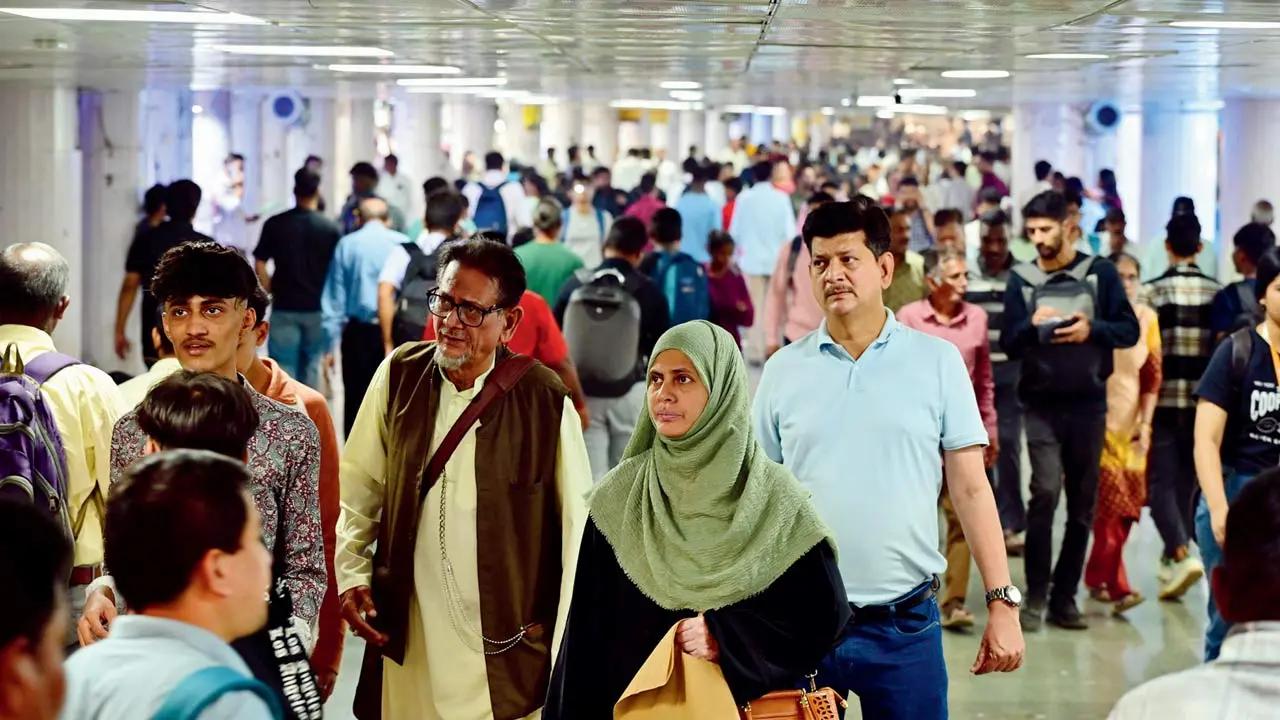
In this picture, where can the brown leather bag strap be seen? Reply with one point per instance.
(499, 383)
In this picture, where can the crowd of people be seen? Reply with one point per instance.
(551, 451)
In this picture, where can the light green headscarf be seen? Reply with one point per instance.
(705, 520)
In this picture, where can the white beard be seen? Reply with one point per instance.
(450, 363)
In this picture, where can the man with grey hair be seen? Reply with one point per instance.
(82, 399)
(548, 263)
(945, 314)
(349, 303)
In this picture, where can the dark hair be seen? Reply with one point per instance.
(908, 181)
(1071, 197)
(312, 158)
(1074, 185)
(993, 217)
(433, 185)
(601, 170)
(391, 158)
(233, 156)
(259, 301)
(762, 171)
(734, 184)
(939, 255)
(1253, 239)
(860, 214)
(819, 198)
(989, 196)
(181, 199)
(648, 182)
(165, 515)
(33, 570)
(166, 345)
(946, 216)
(1251, 549)
(627, 236)
(1268, 271)
(1183, 235)
(717, 239)
(494, 259)
(364, 169)
(691, 166)
(1117, 257)
(1048, 204)
(495, 161)
(1043, 168)
(202, 268)
(1183, 205)
(666, 226)
(444, 210)
(1057, 175)
(199, 411)
(523, 236)
(1114, 215)
(153, 199)
(306, 184)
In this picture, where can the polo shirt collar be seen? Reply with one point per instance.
(891, 326)
(960, 317)
(1253, 642)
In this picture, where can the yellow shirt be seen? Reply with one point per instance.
(85, 405)
(133, 392)
(444, 674)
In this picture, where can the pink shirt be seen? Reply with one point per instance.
(644, 208)
(790, 303)
(968, 332)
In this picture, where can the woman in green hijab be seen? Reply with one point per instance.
(697, 526)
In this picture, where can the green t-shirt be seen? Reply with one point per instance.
(547, 266)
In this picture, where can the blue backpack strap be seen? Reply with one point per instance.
(46, 365)
(600, 222)
(197, 691)
(564, 225)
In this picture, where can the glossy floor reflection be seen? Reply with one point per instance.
(1068, 675)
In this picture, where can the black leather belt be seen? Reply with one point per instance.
(922, 593)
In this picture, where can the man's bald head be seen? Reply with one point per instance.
(34, 277)
(374, 208)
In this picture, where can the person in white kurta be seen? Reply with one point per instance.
(444, 674)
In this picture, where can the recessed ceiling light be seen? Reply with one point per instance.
(305, 50)
(398, 69)
(438, 90)
(197, 109)
(1067, 56)
(846, 102)
(203, 17)
(975, 74)
(875, 100)
(474, 82)
(652, 104)
(938, 92)
(976, 115)
(688, 95)
(903, 81)
(828, 111)
(1226, 24)
(680, 85)
(757, 109)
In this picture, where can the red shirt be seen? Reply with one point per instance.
(537, 335)
(727, 212)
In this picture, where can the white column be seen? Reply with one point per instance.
(761, 128)
(111, 148)
(672, 138)
(415, 135)
(1179, 157)
(819, 131)
(556, 131)
(41, 187)
(1044, 131)
(600, 128)
(245, 125)
(1249, 172)
(693, 131)
(781, 127)
(166, 136)
(353, 141)
(1128, 167)
(519, 137)
(321, 143)
(716, 135)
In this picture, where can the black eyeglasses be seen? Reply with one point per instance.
(469, 314)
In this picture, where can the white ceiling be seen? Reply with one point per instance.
(796, 53)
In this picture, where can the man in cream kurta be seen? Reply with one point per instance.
(444, 673)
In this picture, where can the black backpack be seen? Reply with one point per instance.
(410, 321)
(602, 329)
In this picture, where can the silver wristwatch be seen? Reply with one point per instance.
(1009, 595)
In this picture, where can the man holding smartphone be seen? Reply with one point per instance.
(1064, 316)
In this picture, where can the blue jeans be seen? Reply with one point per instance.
(1211, 555)
(895, 666)
(297, 344)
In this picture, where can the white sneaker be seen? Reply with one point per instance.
(1165, 571)
(1182, 575)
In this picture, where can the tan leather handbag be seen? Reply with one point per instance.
(813, 704)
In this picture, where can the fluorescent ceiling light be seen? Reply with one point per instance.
(757, 109)
(976, 115)
(522, 97)
(689, 95)
(885, 113)
(680, 85)
(305, 50)
(1209, 105)
(653, 104)
(1067, 56)
(1226, 24)
(875, 100)
(473, 82)
(975, 74)
(937, 93)
(916, 109)
(828, 111)
(846, 102)
(903, 81)
(435, 90)
(203, 17)
(398, 69)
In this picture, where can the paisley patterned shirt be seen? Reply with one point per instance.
(284, 464)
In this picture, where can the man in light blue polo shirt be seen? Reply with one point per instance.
(866, 413)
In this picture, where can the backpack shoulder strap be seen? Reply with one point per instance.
(1081, 270)
(1030, 273)
(412, 248)
(1241, 349)
(1248, 299)
(600, 221)
(197, 691)
(45, 365)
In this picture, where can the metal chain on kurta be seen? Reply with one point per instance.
(458, 616)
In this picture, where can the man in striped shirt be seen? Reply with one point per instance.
(1182, 298)
(987, 280)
